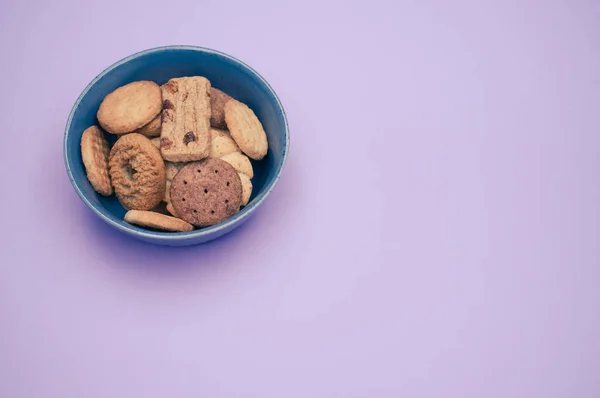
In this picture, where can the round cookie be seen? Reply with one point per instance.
(240, 163)
(153, 128)
(94, 153)
(137, 172)
(221, 143)
(207, 192)
(246, 188)
(157, 221)
(130, 107)
(218, 99)
(246, 129)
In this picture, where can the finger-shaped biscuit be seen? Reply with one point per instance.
(185, 134)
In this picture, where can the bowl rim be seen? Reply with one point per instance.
(204, 232)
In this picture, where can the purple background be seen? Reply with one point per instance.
(435, 232)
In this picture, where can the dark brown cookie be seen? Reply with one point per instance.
(207, 192)
(217, 106)
(137, 172)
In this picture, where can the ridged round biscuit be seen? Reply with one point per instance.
(158, 221)
(218, 99)
(137, 172)
(94, 153)
(240, 163)
(207, 192)
(246, 188)
(221, 143)
(130, 107)
(246, 129)
(153, 128)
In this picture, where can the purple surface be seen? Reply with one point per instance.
(435, 232)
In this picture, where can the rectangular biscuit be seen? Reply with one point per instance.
(185, 134)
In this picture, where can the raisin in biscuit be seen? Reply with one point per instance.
(153, 128)
(185, 134)
(218, 99)
(94, 153)
(157, 221)
(246, 129)
(137, 172)
(130, 107)
(207, 192)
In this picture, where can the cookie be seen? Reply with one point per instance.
(206, 193)
(221, 143)
(246, 129)
(171, 170)
(158, 221)
(246, 188)
(153, 128)
(240, 163)
(170, 209)
(156, 142)
(185, 134)
(137, 172)
(218, 99)
(130, 107)
(94, 153)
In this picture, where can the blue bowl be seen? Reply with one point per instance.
(159, 65)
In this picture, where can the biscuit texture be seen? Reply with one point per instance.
(158, 221)
(171, 169)
(153, 128)
(221, 143)
(246, 188)
(137, 172)
(130, 107)
(240, 163)
(218, 99)
(246, 129)
(94, 153)
(185, 134)
(207, 192)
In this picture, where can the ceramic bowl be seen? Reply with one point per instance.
(159, 65)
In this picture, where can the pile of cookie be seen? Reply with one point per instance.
(182, 157)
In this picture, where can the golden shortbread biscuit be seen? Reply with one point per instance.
(130, 107)
(94, 153)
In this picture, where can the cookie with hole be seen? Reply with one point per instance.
(206, 193)
(137, 172)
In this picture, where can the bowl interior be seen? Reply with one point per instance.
(159, 65)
